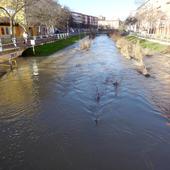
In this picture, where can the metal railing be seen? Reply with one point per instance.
(152, 37)
(8, 43)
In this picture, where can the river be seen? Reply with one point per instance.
(63, 112)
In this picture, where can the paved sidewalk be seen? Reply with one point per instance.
(11, 52)
(38, 41)
(155, 40)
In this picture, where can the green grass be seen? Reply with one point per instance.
(147, 44)
(51, 48)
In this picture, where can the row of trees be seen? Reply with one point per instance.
(28, 13)
(147, 18)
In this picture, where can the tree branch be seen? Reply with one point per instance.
(6, 11)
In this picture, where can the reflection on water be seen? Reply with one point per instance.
(160, 87)
(35, 69)
(85, 110)
(18, 93)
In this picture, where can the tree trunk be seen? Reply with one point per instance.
(12, 32)
(11, 28)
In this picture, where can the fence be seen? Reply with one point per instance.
(153, 37)
(8, 43)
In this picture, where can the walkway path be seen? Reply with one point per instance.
(156, 40)
(38, 41)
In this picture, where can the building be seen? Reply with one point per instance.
(21, 22)
(5, 29)
(108, 24)
(80, 20)
(153, 18)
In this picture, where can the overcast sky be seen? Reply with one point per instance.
(108, 8)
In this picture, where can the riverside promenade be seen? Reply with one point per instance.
(20, 43)
(10, 51)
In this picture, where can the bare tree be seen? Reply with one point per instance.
(63, 19)
(49, 13)
(148, 18)
(28, 13)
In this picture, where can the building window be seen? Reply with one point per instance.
(2, 31)
(7, 30)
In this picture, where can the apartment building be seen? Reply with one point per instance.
(20, 22)
(103, 23)
(5, 29)
(4, 26)
(80, 20)
(153, 17)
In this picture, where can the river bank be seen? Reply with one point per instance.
(8, 61)
(40, 51)
(132, 47)
(50, 48)
(130, 42)
(147, 45)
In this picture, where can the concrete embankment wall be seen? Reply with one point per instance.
(8, 61)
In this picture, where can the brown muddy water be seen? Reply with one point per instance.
(85, 110)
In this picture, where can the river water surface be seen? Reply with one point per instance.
(63, 112)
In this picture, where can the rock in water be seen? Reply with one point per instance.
(143, 70)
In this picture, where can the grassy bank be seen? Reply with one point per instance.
(156, 47)
(51, 48)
